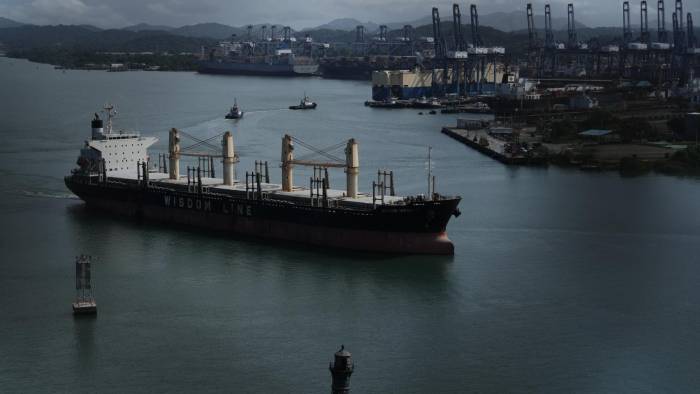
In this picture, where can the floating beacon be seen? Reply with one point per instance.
(85, 299)
(341, 369)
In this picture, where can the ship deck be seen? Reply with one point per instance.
(272, 190)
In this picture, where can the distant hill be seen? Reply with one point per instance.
(146, 27)
(504, 21)
(346, 24)
(78, 38)
(512, 41)
(210, 30)
(426, 20)
(4, 23)
(329, 35)
(517, 20)
(90, 27)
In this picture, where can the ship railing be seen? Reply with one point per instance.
(262, 168)
(386, 178)
(206, 163)
(163, 163)
(319, 184)
(378, 190)
(142, 173)
(194, 180)
(253, 188)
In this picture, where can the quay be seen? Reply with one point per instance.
(483, 140)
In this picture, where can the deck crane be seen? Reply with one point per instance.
(644, 35)
(457, 27)
(359, 34)
(548, 31)
(383, 33)
(662, 34)
(626, 23)
(534, 46)
(531, 31)
(459, 46)
(359, 46)
(679, 32)
(438, 40)
(675, 31)
(407, 33)
(440, 50)
(691, 31)
(571, 23)
(476, 38)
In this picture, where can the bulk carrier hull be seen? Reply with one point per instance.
(416, 228)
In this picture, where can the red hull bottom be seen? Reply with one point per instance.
(343, 238)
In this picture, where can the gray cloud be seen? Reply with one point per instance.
(118, 13)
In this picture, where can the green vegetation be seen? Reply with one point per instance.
(81, 46)
(600, 119)
(562, 130)
(87, 59)
(686, 161)
(629, 129)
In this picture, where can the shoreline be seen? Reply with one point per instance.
(679, 162)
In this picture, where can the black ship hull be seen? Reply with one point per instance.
(415, 228)
(257, 69)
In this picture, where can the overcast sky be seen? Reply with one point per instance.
(298, 14)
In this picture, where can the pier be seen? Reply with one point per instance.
(483, 141)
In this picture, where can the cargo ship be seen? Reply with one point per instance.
(406, 84)
(114, 174)
(242, 58)
(284, 66)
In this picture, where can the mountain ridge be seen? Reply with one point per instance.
(7, 23)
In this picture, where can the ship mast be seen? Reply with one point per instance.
(430, 175)
(111, 113)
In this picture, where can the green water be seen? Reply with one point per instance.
(562, 281)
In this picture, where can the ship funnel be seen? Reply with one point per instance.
(174, 150)
(97, 128)
(287, 157)
(352, 169)
(229, 158)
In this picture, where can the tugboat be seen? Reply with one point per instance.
(235, 112)
(423, 102)
(391, 102)
(474, 108)
(305, 103)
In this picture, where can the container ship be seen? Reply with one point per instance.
(114, 174)
(403, 84)
(246, 58)
(283, 65)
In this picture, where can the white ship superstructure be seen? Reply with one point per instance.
(118, 152)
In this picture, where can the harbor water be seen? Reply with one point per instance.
(562, 281)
